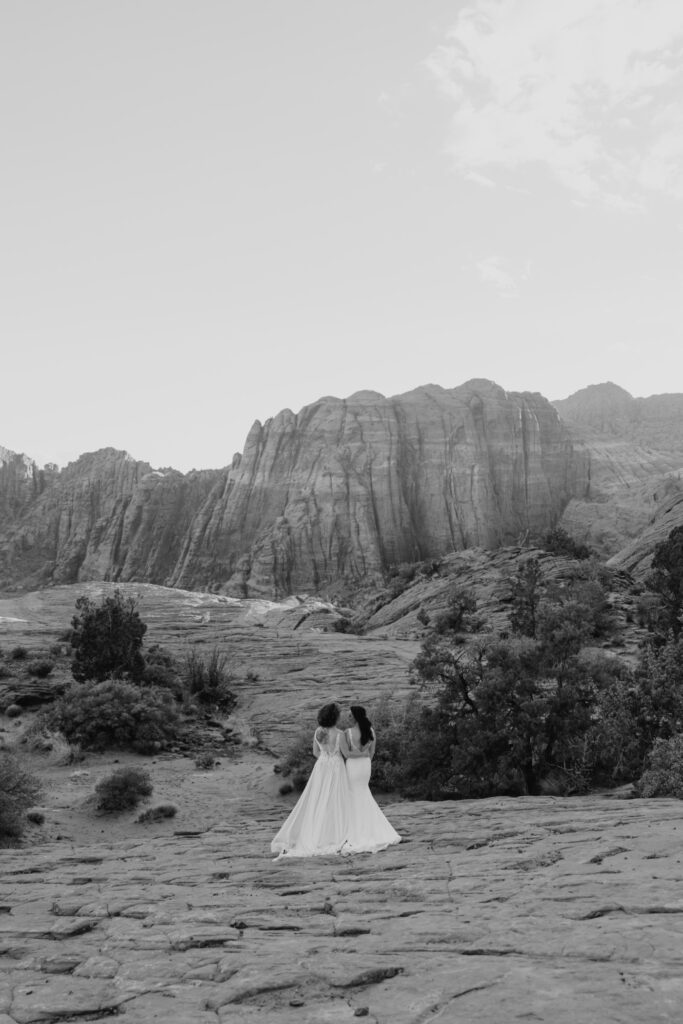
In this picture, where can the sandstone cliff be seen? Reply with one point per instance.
(610, 411)
(342, 489)
(21, 481)
(106, 517)
(346, 488)
(635, 450)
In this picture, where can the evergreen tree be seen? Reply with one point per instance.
(107, 639)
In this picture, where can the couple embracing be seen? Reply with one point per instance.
(336, 813)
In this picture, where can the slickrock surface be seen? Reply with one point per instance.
(498, 910)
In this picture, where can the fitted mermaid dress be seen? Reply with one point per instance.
(368, 828)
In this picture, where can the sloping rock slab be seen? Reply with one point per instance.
(540, 909)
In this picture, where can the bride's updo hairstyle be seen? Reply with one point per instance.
(363, 722)
(329, 715)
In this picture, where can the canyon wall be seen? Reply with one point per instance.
(348, 487)
(340, 490)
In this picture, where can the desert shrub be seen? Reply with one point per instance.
(209, 681)
(423, 617)
(344, 624)
(251, 676)
(35, 816)
(393, 722)
(123, 789)
(515, 716)
(205, 761)
(286, 788)
(19, 653)
(106, 639)
(666, 582)
(558, 542)
(460, 615)
(526, 593)
(663, 775)
(161, 669)
(659, 673)
(40, 669)
(298, 761)
(56, 650)
(157, 813)
(18, 791)
(116, 713)
(55, 747)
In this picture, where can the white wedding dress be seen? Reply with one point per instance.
(318, 823)
(368, 828)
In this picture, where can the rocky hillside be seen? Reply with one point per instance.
(635, 451)
(342, 489)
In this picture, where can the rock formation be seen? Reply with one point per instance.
(346, 488)
(635, 451)
(105, 516)
(21, 481)
(610, 411)
(342, 489)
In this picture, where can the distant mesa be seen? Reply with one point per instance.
(346, 488)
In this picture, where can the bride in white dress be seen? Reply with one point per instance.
(318, 823)
(368, 828)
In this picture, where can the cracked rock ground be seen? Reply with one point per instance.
(563, 910)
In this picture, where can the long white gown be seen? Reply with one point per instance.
(368, 828)
(318, 823)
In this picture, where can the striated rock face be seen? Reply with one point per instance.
(635, 449)
(105, 516)
(610, 411)
(346, 488)
(341, 490)
(21, 481)
(636, 557)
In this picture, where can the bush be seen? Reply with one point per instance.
(123, 789)
(107, 639)
(208, 682)
(40, 669)
(559, 542)
(161, 669)
(157, 813)
(19, 653)
(35, 816)
(53, 745)
(205, 761)
(115, 713)
(663, 775)
(460, 615)
(18, 791)
(666, 581)
(299, 760)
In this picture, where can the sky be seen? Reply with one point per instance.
(212, 210)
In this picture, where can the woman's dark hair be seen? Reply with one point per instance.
(329, 715)
(363, 722)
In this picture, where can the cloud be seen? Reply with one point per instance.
(591, 90)
(493, 271)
